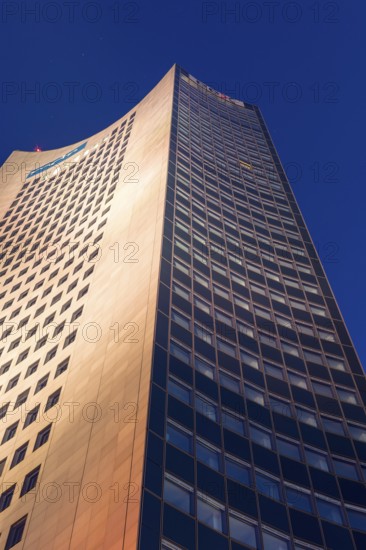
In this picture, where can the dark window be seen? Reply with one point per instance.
(23, 356)
(66, 306)
(62, 367)
(179, 391)
(53, 399)
(5, 367)
(10, 432)
(178, 494)
(329, 510)
(19, 455)
(12, 383)
(49, 319)
(180, 438)
(42, 437)
(30, 481)
(15, 533)
(21, 399)
(3, 410)
(31, 416)
(5, 498)
(243, 531)
(83, 292)
(238, 471)
(31, 369)
(299, 499)
(345, 469)
(51, 354)
(76, 314)
(268, 486)
(41, 342)
(210, 456)
(70, 338)
(41, 383)
(211, 513)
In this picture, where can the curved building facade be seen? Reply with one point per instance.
(175, 372)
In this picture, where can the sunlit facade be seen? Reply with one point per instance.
(175, 372)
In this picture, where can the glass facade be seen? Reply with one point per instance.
(256, 428)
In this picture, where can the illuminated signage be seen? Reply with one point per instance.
(197, 84)
(57, 161)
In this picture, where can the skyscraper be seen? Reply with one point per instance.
(174, 368)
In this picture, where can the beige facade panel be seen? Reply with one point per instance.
(80, 261)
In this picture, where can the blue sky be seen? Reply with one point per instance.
(71, 68)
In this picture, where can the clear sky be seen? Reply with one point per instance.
(68, 69)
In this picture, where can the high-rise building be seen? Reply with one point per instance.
(175, 372)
